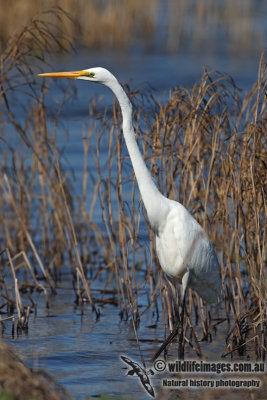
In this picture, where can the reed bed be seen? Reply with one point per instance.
(89, 23)
(167, 25)
(206, 148)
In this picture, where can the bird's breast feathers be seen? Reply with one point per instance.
(179, 241)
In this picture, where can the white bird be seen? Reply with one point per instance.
(184, 251)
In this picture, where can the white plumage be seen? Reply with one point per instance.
(183, 246)
(184, 250)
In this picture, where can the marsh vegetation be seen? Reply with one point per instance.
(206, 148)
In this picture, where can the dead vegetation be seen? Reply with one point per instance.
(18, 382)
(167, 25)
(206, 148)
(90, 23)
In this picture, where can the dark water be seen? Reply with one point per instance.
(83, 354)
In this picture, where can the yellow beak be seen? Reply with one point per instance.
(70, 74)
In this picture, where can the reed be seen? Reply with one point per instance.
(206, 148)
(120, 25)
(89, 23)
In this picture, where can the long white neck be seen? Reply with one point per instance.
(154, 201)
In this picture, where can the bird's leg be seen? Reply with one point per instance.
(179, 325)
(167, 341)
(173, 288)
(177, 322)
(185, 282)
(181, 330)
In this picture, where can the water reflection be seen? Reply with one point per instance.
(82, 354)
(79, 352)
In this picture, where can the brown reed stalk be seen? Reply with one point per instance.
(32, 273)
(19, 304)
(73, 241)
(27, 234)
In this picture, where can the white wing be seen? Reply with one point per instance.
(182, 245)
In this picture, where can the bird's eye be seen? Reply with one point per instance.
(90, 74)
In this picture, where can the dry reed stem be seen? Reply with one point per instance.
(32, 273)
(22, 322)
(27, 234)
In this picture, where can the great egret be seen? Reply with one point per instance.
(184, 251)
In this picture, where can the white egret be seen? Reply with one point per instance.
(184, 251)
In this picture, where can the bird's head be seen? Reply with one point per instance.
(98, 74)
